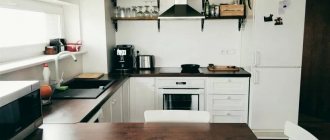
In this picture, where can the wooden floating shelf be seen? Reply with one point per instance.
(135, 18)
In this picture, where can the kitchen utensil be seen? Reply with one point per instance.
(190, 68)
(147, 12)
(140, 13)
(134, 12)
(73, 47)
(214, 68)
(145, 62)
(155, 11)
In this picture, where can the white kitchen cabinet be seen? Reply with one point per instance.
(125, 100)
(227, 99)
(116, 106)
(112, 110)
(105, 115)
(142, 97)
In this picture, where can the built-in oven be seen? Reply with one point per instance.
(180, 93)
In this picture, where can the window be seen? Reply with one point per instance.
(24, 27)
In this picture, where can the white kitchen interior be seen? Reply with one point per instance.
(264, 94)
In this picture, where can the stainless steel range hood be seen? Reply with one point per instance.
(181, 10)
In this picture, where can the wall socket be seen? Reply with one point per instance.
(228, 52)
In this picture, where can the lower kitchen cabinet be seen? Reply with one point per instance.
(116, 107)
(112, 109)
(125, 100)
(142, 97)
(227, 99)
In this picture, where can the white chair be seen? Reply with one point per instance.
(182, 116)
(295, 132)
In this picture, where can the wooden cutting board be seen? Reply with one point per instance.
(222, 68)
(90, 75)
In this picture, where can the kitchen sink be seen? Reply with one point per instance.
(82, 89)
(88, 84)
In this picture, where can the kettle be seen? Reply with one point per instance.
(145, 62)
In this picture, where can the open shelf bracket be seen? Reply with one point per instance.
(115, 24)
(202, 28)
(114, 3)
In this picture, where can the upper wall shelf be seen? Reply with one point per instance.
(26, 63)
(240, 18)
(115, 20)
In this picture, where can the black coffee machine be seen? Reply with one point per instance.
(123, 59)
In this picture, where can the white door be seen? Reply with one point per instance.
(280, 45)
(142, 97)
(274, 97)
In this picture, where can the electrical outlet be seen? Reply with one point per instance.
(223, 52)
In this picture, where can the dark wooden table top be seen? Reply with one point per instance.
(144, 131)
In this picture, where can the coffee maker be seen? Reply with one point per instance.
(123, 58)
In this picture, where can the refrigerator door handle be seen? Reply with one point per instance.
(256, 77)
(256, 58)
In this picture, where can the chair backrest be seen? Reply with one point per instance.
(295, 132)
(182, 116)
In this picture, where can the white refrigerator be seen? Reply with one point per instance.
(273, 55)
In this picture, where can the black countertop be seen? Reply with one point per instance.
(176, 72)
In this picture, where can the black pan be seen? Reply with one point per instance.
(190, 68)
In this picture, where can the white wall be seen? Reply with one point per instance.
(71, 22)
(182, 41)
(93, 29)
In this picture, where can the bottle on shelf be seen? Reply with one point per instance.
(46, 74)
(207, 8)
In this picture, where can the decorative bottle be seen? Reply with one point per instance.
(46, 73)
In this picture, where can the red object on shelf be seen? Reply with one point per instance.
(73, 47)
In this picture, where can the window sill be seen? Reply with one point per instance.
(26, 63)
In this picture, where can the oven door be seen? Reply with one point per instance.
(181, 99)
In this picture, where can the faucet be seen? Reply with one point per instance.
(58, 80)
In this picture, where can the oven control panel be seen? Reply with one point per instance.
(184, 82)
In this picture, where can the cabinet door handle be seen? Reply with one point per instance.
(256, 77)
(257, 58)
(181, 83)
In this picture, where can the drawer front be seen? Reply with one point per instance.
(229, 116)
(227, 102)
(228, 85)
(180, 83)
